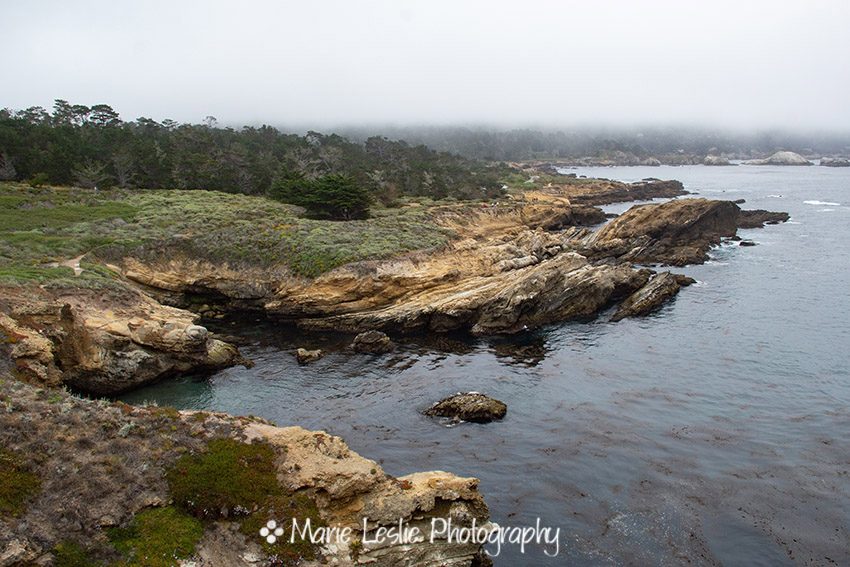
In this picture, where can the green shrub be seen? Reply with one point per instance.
(38, 180)
(17, 484)
(228, 478)
(157, 537)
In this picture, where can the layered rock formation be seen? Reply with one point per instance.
(104, 341)
(508, 270)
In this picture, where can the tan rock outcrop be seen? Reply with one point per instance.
(105, 342)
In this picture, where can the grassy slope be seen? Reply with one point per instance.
(44, 225)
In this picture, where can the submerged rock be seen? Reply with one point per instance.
(746, 243)
(470, 406)
(372, 342)
(304, 356)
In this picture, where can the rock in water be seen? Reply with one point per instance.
(372, 342)
(653, 295)
(746, 243)
(782, 158)
(715, 160)
(304, 356)
(835, 162)
(757, 218)
(677, 232)
(470, 406)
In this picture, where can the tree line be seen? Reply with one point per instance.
(330, 175)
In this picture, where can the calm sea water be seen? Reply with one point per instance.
(715, 431)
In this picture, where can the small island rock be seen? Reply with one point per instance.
(304, 356)
(469, 406)
(372, 342)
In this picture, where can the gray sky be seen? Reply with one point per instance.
(321, 63)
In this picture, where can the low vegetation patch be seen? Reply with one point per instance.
(157, 537)
(229, 478)
(42, 228)
(284, 509)
(17, 484)
(72, 554)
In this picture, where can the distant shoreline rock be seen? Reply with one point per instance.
(716, 160)
(835, 162)
(781, 158)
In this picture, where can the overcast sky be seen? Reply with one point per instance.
(323, 63)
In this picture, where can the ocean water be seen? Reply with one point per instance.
(715, 431)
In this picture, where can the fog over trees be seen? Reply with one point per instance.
(748, 66)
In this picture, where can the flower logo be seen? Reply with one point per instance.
(271, 532)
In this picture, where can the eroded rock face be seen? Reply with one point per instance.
(564, 287)
(106, 343)
(350, 488)
(660, 289)
(677, 232)
(757, 218)
(470, 406)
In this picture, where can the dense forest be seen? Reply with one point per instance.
(90, 146)
(547, 144)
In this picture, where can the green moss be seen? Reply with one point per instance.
(283, 509)
(228, 478)
(72, 554)
(17, 484)
(157, 537)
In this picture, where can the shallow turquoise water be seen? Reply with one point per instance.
(715, 431)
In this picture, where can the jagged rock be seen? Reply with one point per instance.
(781, 158)
(716, 160)
(372, 342)
(660, 289)
(677, 232)
(470, 406)
(304, 356)
(746, 243)
(106, 344)
(757, 218)
(561, 288)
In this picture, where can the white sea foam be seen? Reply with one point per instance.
(823, 203)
